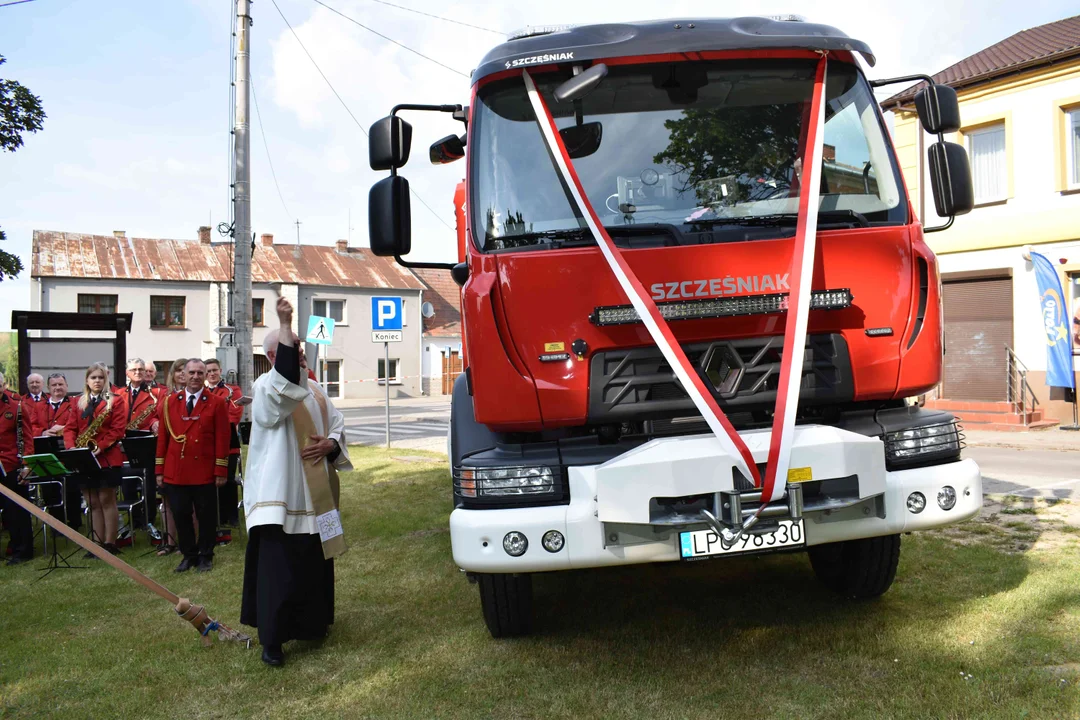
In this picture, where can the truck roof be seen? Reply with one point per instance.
(592, 42)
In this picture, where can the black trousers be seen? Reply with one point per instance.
(229, 497)
(288, 587)
(203, 500)
(17, 519)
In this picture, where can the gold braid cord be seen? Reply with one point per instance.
(194, 614)
(182, 439)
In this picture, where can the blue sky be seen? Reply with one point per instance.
(137, 96)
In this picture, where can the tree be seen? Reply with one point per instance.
(20, 112)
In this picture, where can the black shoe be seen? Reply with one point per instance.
(185, 565)
(204, 565)
(112, 548)
(273, 656)
(16, 560)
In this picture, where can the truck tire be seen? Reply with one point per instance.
(860, 569)
(507, 603)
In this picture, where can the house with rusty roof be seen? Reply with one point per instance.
(1020, 115)
(441, 360)
(178, 294)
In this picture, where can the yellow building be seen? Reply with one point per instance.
(1020, 114)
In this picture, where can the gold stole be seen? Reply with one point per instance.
(322, 480)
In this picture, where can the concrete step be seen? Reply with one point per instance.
(969, 405)
(1010, 427)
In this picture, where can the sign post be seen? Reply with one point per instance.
(320, 332)
(386, 316)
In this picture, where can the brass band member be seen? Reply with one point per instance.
(150, 378)
(175, 380)
(141, 419)
(98, 423)
(50, 418)
(17, 519)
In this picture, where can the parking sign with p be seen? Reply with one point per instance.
(386, 317)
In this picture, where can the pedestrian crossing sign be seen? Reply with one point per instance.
(320, 330)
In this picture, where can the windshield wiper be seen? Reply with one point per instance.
(825, 217)
(555, 238)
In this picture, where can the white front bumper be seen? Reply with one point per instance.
(615, 497)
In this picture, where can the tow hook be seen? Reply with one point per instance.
(734, 520)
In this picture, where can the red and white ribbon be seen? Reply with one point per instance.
(795, 332)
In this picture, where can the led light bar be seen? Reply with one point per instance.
(722, 307)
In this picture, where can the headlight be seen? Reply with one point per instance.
(503, 481)
(930, 442)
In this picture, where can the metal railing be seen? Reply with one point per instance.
(1017, 386)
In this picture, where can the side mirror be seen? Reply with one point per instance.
(581, 84)
(950, 179)
(582, 140)
(447, 150)
(389, 141)
(938, 109)
(389, 217)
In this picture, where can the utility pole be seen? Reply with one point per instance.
(298, 232)
(242, 204)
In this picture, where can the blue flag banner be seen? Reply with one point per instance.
(1059, 371)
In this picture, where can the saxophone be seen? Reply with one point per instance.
(134, 424)
(85, 439)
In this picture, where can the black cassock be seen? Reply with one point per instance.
(288, 585)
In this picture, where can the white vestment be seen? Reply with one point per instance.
(275, 492)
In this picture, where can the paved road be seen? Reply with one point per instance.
(417, 426)
(1031, 473)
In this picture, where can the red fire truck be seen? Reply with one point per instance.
(574, 441)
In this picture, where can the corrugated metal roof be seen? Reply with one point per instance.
(65, 254)
(445, 297)
(1036, 46)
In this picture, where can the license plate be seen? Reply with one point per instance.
(703, 543)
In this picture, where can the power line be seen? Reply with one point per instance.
(340, 100)
(15, 2)
(262, 133)
(439, 17)
(390, 39)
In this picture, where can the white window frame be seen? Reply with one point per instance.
(344, 307)
(1072, 121)
(341, 376)
(970, 135)
(396, 379)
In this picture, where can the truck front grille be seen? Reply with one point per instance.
(638, 384)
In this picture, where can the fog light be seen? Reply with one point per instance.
(916, 503)
(515, 544)
(553, 541)
(946, 498)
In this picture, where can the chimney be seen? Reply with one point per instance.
(267, 239)
(119, 233)
(204, 234)
(828, 153)
(343, 246)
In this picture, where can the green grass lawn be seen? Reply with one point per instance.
(982, 622)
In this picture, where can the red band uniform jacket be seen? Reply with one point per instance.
(144, 399)
(45, 417)
(109, 433)
(230, 394)
(10, 418)
(31, 409)
(193, 450)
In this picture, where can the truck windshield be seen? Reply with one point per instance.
(702, 150)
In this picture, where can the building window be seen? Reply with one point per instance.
(1072, 148)
(989, 164)
(394, 379)
(257, 312)
(329, 308)
(97, 304)
(167, 311)
(332, 377)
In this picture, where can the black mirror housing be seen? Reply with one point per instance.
(389, 141)
(938, 108)
(389, 217)
(582, 140)
(950, 179)
(447, 150)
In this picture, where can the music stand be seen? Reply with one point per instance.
(46, 465)
(81, 461)
(140, 446)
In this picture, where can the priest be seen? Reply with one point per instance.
(291, 499)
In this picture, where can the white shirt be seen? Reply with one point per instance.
(275, 491)
(188, 395)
